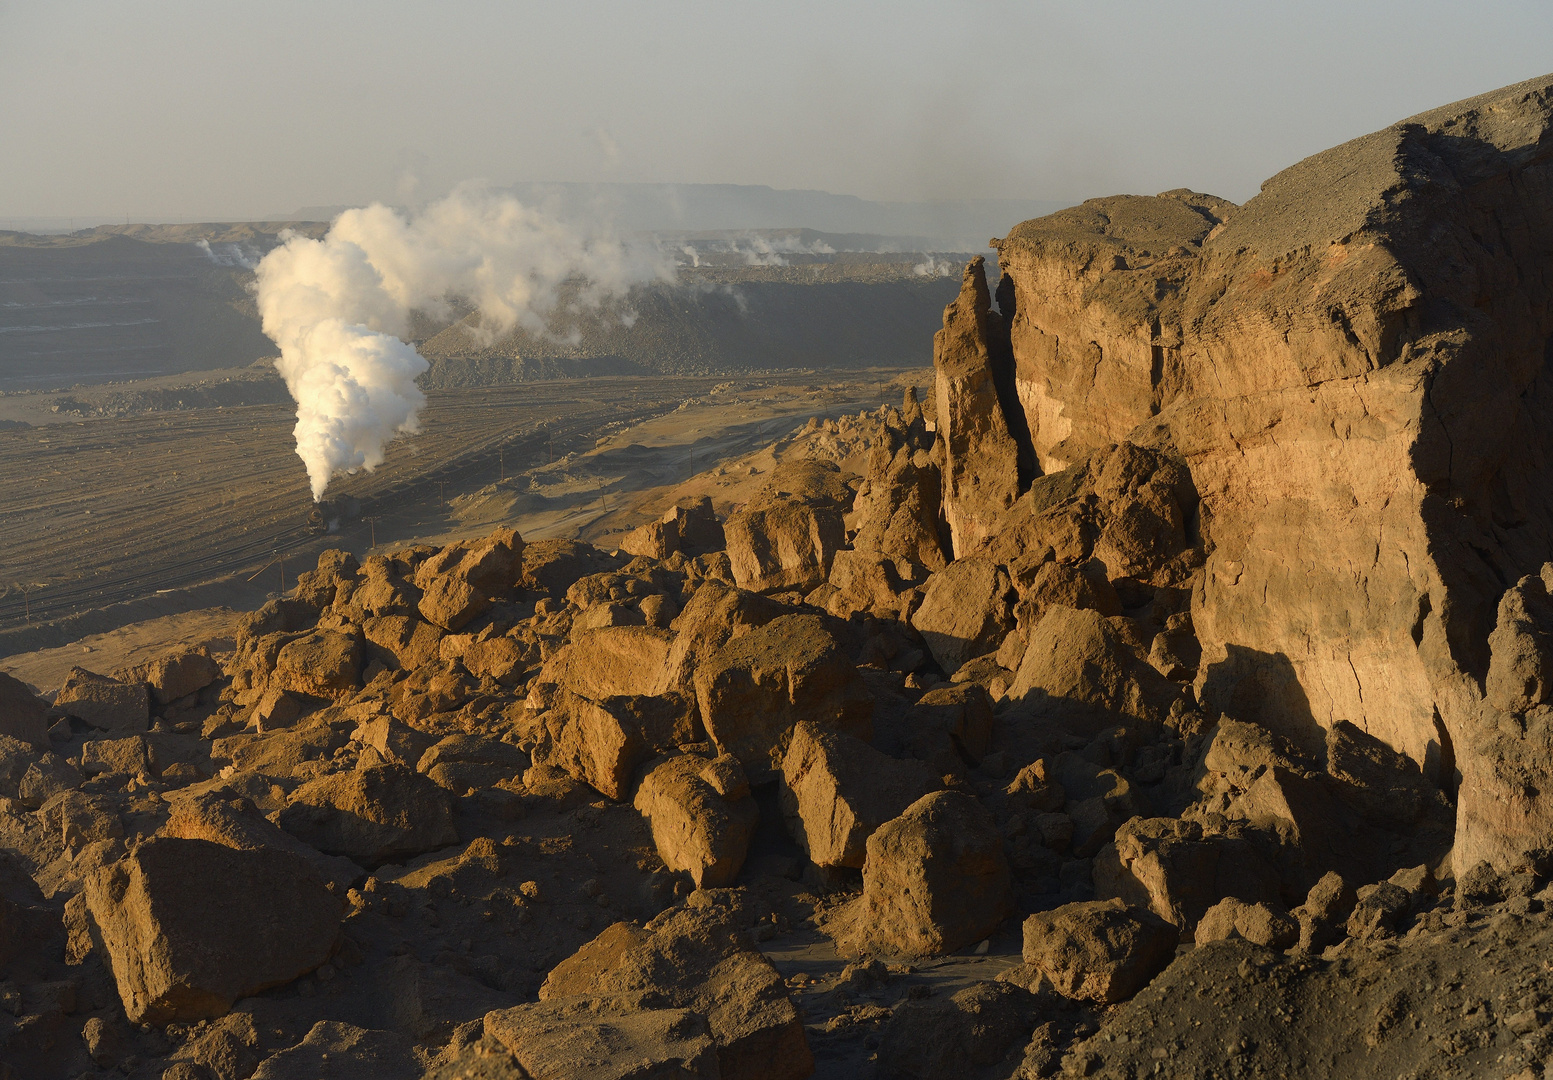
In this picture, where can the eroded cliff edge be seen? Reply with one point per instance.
(1356, 367)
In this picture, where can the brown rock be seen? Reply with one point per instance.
(981, 455)
(1260, 924)
(605, 1039)
(188, 927)
(371, 816)
(324, 664)
(1324, 914)
(898, 517)
(696, 525)
(1078, 669)
(610, 661)
(949, 723)
(229, 819)
(337, 1051)
(394, 741)
(837, 790)
(401, 641)
(278, 709)
(318, 587)
(945, 1036)
(593, 743)
(379, 591)
(458, 582)
(715, 614)
(785, 544)
(754, 689)
(175, 675)
(934, 879)
(104, 703)
(1098, 950)
(128, 755)
(23, 715)
(654, 540)
(694, 958)
(702, 816)
(863, 581)
(1228, 339)
(967, 609)
(553, 566)
(1171, 868)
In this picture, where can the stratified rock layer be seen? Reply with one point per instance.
(1355, 367)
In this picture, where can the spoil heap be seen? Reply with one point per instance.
(1184, 672)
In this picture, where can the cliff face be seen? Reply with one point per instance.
(1357, 368)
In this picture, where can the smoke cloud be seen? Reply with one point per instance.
(339, 307)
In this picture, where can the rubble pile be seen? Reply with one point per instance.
(1168, 697)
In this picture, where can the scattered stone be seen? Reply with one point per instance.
(702, 816)
(935, 879)
(837, 790)
(104, 703)
(188, 927)
(756, 688)
(1098, 950)
(23, 715)
(372, 815)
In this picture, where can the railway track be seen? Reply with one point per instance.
(116, 510)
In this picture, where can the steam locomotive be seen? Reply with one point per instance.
(327, 516)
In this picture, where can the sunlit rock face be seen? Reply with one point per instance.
(1355, 366)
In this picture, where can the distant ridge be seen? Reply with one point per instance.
(947, 225)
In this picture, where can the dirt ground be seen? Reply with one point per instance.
(113, 520)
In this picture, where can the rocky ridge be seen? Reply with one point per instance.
(1166, 698)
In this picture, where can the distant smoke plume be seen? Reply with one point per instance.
(229, 254)
(931, 267)
(339, 307)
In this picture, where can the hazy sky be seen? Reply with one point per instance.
(222, 110)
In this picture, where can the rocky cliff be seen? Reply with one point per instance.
(1355, 367)
(1184, 668)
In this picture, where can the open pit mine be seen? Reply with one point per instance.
(1166, 692)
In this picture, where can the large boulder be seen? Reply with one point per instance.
(610, 661)
(966, 610)
(595, 744)
(1079, 670)
(104, 703)
(187, 926)
(715, 614)
(1168, 866)
(176, 674)
(754, 689)
(702, 816)
(837, 790)
(785, 544)
(897, 515)
(595, 1038)
(226, 818)
(23, 714)
(934, 879)
(695, 958)
(1098, 950)
(459, 581)
(401, 641)
(324, 663)
(372, 815)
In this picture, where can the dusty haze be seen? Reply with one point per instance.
(184, 110)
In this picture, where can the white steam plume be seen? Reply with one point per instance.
(338, 307)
